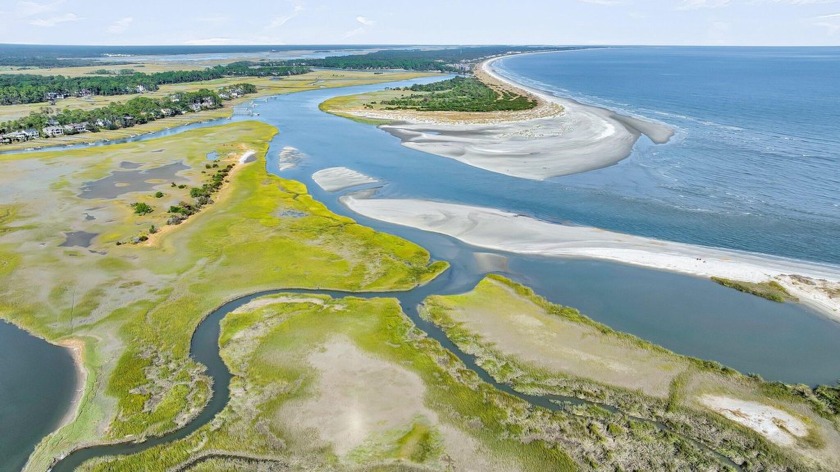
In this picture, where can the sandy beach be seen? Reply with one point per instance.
(339, 178)
(500, 230)
(558, 137)
(76, 347)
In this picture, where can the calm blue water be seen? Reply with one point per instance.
(689, 315)
(755, 164)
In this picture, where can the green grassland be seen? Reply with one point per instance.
(468, 320)
(135, 306)
(447, 417)
(771, 290)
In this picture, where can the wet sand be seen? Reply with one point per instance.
(339, 178)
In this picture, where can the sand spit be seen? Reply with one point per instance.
(776, 425)
(340, 178)
(559, 137)
(504, 231)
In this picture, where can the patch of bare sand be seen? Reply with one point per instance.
(820, 294)
(515, 325)
(360, 397)
(774, 424)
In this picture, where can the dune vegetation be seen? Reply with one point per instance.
(542, 348)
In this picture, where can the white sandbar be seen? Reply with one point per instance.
(339, 178)
(504, 231)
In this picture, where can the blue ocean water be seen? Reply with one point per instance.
(755, 163)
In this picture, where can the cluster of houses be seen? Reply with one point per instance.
(19, 136)
(53, 128)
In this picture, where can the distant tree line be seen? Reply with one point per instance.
(444, 60)
(30, 88)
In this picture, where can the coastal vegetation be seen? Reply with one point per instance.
(542, 348)
(138, 110)
(306, 366)
(452, 59)
(458, 94)
(264, 86)
(771, 290)
(30, 88)
(135, 306)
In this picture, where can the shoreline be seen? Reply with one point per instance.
(499, 230)
(559, 137)
(76, 347)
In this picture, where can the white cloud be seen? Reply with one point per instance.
(697, 4)
(282, 20)
(208, 41)
(212, 19)
(365, 21)
(26, 8)
(805, 2)
(54, 20)
(120, 25)
(602, 2)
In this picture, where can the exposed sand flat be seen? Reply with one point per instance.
(288, 158)
(340, 178)
(500, 230)
(776, 425)
(360, 397)
(559, 137)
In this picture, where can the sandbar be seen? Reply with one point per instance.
(340, 178)
(559, 137)
(500, 230)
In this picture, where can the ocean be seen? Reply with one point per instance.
(754, 165)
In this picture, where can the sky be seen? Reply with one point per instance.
(557, 22)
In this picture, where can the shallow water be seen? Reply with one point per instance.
(688, 315)
(78, 239)
(37, 384)
(121, 182)
(755, 164)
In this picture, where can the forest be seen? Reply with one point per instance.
(458, 94)
(443, 60)
(30, 88)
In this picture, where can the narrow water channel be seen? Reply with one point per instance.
(688, 315)
(204, 348)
